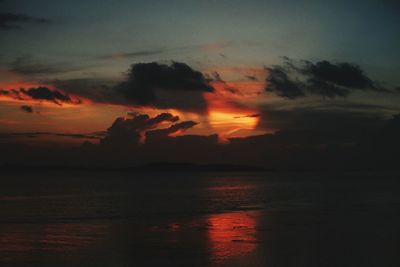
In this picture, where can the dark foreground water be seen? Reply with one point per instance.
(199, 219)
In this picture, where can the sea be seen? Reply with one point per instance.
(120, 218)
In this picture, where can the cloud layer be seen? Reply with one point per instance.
(173, 86)
(299, 79)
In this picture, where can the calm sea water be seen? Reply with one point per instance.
(199, 219)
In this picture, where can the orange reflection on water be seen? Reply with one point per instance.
(231, 235)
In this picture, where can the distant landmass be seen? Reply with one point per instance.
(157, 167)
(164, 166)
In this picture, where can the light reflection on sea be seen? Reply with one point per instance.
(209, 219)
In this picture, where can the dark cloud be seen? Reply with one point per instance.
(216, 77)
(4, 92)
(342, 74)
(298, 79)
(11, 21)
(39, 93)
(248, 116)
(131, 131)
(44, 93)
(146, 78)
(165, 86)
(173, 129)
(134, 54)
(251, 78)
(26, 108)
(280, 83)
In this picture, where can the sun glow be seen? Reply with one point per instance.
(227, 119)
(233, 119)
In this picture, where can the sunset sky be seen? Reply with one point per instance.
(70, 69)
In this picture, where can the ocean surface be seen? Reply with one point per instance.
(118, 219)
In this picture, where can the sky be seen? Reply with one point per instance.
(131, 72)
